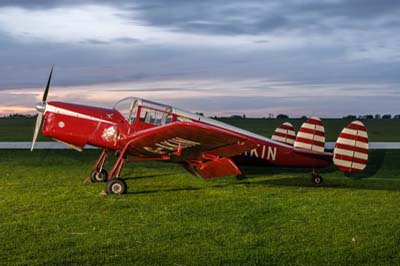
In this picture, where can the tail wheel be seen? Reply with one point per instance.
(316, 179)
(116, 186)
(99, 176)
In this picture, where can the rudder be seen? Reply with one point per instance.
(311, 135)
(351, 150)
(284, 133)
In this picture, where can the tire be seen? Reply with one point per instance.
(99, 177)
(317, 179)
(116, 186)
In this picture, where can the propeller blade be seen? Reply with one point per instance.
(41, 108)
(37, 127)
(46, 91)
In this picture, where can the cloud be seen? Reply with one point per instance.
(101, 25)
(238, 17)
(303, 55)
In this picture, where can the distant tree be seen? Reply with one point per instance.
(236, 116)
(16, 115)
(271, 116)
(244, 116)
(282, 116)
(350, 117)
(303, 117)
(387, 116)
(366, 117)
(200, 114)
(377, 116)
(396, 117)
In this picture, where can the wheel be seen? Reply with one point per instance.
(316, 179)
(99, 176)
(116, 186)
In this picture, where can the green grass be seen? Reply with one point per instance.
(275, 217)
(18, 129)
(21, 129)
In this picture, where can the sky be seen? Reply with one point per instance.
(327, 58)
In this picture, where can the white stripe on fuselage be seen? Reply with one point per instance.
(58, 110)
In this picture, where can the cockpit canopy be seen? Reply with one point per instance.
(134, 109)
(150, 114)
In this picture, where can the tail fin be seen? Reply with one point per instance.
(311, 135)
(284, 133)
(351, 150)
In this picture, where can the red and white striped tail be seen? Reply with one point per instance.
(351, 149)
(284, 133)
(311, 135)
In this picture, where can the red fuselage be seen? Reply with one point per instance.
(79, 125)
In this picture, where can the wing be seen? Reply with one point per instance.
(196, 141)
(204, 147)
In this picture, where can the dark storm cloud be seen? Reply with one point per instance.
(254, 17)
(354, 9)
(242, 17)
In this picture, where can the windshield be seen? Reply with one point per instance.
(150, 112)
(128, 108)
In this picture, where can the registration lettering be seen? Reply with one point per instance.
(262, 152)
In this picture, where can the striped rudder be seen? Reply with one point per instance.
(311, 135)
(351, 149)
(284, 133)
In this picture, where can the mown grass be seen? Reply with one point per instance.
(274, 217)
(21, 129)
(18, 129)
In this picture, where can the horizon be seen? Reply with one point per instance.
(244, 116)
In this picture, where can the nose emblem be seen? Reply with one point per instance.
(110, 115)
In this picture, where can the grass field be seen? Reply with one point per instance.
(21, 129)
(275, 217)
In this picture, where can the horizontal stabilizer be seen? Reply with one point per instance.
(351, 150)
(311, 135)
(284, 133)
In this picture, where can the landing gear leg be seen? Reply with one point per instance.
(116, 185)
(315, 178)
(99, 174)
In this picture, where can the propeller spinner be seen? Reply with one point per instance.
(40, 107)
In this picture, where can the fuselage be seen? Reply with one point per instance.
(80, 125)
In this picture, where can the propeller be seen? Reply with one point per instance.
(40, 107)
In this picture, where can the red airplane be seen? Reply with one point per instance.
(140, 130)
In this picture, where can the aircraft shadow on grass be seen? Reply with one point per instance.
(390, 185)
(356, 181)
(149, 176)
(187, 188)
